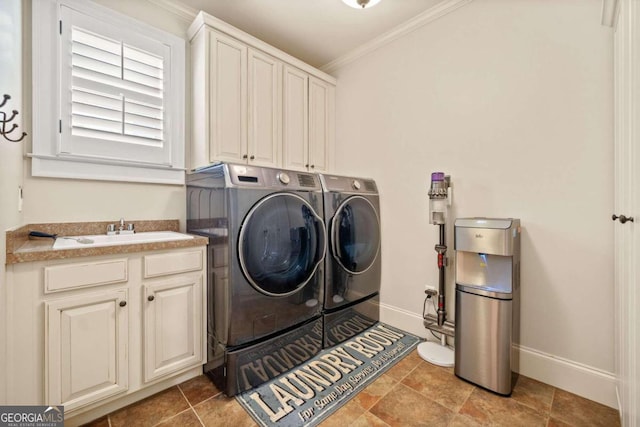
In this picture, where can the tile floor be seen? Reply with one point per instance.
(412, 393)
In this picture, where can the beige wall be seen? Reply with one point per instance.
(58, 200)
(10, 152)
(11, 84)
(513, 99)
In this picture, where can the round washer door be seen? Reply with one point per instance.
(355, 235)
(281, 244)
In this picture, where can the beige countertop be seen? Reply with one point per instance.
(22, 249)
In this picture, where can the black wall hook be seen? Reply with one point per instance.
(4, 121)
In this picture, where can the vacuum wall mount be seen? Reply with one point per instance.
(439, 201)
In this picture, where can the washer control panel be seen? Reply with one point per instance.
(283, 177)
(254, 176)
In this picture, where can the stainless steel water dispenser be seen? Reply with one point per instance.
(487, 300)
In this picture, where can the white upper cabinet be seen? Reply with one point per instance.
(265, 109)
(251, 103)
(219, 97)
(296, 119)
(308, 125)
(228, 104)
(321, 124)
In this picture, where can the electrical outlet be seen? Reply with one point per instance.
(430, 291)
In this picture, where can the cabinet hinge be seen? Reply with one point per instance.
(59, 126)
(60, 26)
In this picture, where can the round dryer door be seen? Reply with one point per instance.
(355, 235)
(281, 244)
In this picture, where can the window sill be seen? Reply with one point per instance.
(104, 170)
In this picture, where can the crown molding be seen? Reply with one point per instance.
(441, 9)
(181, 10)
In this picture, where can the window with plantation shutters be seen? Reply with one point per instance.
(120, 98)
(112, 98)
(117, 90)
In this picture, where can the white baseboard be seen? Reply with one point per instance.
(586, 381)
(583, 380)
(403, 319)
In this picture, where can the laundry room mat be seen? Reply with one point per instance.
(309, 393)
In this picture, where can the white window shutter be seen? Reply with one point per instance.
(113, 100)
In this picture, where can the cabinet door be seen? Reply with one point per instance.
(86, 348)
(265, 111)
(295, 135)
(172, 325)
(321, 105)
(228, 102)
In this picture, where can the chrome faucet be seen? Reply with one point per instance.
(129, 229)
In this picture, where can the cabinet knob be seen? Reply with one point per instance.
(244, 156)
(150, 298)
(313, 166)
(307, 165)
(123, 303)
(252, 157)
(622, 218)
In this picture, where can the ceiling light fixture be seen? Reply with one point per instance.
(361, 4)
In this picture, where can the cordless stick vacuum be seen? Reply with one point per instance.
(439, 201)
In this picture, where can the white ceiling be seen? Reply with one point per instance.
(315, 31)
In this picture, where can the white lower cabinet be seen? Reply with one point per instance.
(94, 343)
(172, 325)
(86, 348)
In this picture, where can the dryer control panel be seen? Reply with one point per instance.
(346, 184)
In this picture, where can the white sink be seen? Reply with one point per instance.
(119, 239)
